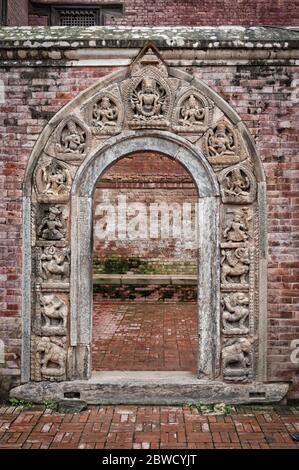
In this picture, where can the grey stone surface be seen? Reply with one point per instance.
(68, 405)
(153, 389)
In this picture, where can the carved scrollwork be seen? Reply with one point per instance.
(50, 358)
(235, 313)
(54, 263)
(235, 266)
(192, 112)
(237, 359)
(53, 179)
(237, 185)
(52, 226)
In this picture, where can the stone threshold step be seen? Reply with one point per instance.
(151, 388)
(144, 279)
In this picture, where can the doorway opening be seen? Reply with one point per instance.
(145, 258)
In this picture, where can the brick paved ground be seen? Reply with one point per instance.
(147, 427)
(144, 336)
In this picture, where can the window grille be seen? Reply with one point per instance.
(77, 18)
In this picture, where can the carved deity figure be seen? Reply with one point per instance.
(236, 183)
(104, 113)
(51, 357)
(73, 138)
(54, 311)
(221, 141)
(235, 312)
(236, 359)
(148, 100)
(51, 227)
(235, 266)
(236, 229)
(55, 178)
(55, 263)
(192, 112)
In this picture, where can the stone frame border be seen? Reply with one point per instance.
(207, 364)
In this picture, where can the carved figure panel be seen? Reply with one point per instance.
(221, 145)
(52, 225)
(54, 312)
(235, 265)
(235, 313)
(54, 263)
(192, 112)
(50, 358)
(72, 141)
(53, 178)
(237, 185)
(237, 359)
(237, 225)
(105, 113)
(148, 100)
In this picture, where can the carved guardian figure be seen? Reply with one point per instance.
(236, 359)
(55, 263)
(235, 311)
(54, 312)
(51, 357)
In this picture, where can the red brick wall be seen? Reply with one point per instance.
(145, 178)
(267, 100)
(187, 12)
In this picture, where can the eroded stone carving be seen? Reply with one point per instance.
(192, 112)
(50, 359)
(54, 263)
(236, 359)
(221, 144)
(52, 226)
(149, 100)
(235, 265)
(105, 113)
(235, 312)
(237, 185)
(71, 141)
(54, 315)
(53, 178)
(236, 228)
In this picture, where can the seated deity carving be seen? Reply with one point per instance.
(51, 358)
(235, 266)
(54, 314)
(72, 138)
(53, 178)
(55, 263)
(235, 312)
(237, 226)
(192, 112)
(148, 100)
(52, 226)
(104, 113)
(221, 141)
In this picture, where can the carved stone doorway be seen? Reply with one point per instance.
(148, 107)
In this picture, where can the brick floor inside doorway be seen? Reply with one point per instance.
(144, 336)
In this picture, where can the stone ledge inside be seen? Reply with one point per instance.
(151, 388)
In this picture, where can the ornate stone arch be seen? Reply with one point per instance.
(153, 107)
